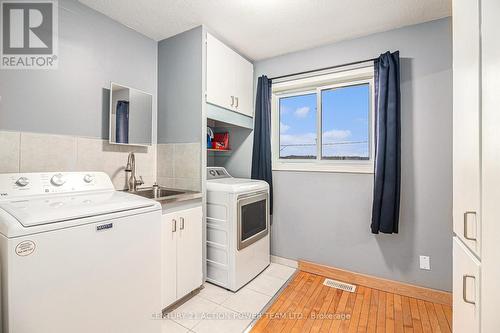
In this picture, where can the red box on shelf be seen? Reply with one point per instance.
(221, 141)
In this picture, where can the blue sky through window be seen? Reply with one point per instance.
(298, 135)
(345, 124)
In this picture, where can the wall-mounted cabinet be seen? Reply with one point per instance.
(229, 78)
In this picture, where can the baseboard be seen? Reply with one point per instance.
(182, 300)
(396, 287)
(285, 261)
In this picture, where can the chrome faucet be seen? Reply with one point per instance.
(132, 182)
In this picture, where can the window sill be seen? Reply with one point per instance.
(323, 167)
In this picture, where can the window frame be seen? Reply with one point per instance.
(344, 77)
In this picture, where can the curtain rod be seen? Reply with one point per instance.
(323, 69)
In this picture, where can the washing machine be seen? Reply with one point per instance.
(78, 256)
(238, 228)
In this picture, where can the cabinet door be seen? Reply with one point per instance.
(170, 227)
(466, 123)
(244, 85)
(490, 150)
(220, 74)
(466, 280)
(189, 251)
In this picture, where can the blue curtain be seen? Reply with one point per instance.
(261, 157)
(122, 121)
(386, 193)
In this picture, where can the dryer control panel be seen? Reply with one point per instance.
(217, 172)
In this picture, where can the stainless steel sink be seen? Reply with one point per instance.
(150, 193)
(166, 195)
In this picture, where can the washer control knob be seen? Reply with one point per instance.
(58, 180)
(88, 178)
(22, 181)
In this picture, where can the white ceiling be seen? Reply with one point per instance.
(264, 28)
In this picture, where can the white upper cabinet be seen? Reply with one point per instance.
(220, 74)
(244, 85)
(229, 78)
(466, 123)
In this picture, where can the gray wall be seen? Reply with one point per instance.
(180, 87)
(325, 217)
(74, 99)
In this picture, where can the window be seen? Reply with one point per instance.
(324, 122)
(345, 130)
(298, 137)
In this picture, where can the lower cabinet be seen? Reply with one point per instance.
(466, 281)
(182, 253)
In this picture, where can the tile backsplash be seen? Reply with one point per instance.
(179, 165)
(171, 165)
(34, 152)
(9, 151)
(40, 152)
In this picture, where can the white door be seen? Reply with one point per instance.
(466, 280)
(466, 123)
(169, 259)
(244, 86)
(220, 74)
(189, 251)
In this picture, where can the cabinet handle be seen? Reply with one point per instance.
(465, 225)
(237, 102)
(464, 288)
(174, 225)
(182, 223)
(232, 100)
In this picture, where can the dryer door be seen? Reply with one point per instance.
(253, 218)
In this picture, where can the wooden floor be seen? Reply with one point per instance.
(306, 305)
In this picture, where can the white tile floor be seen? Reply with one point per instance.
(218, 310)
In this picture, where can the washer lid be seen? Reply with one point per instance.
(236, 185)
(59, 208)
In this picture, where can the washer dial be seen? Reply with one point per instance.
(22, 181)
(88, 178)
(58, 179)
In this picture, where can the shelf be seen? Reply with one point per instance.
(221, 150)
(228, 118)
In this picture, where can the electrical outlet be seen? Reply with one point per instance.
(425, 262)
